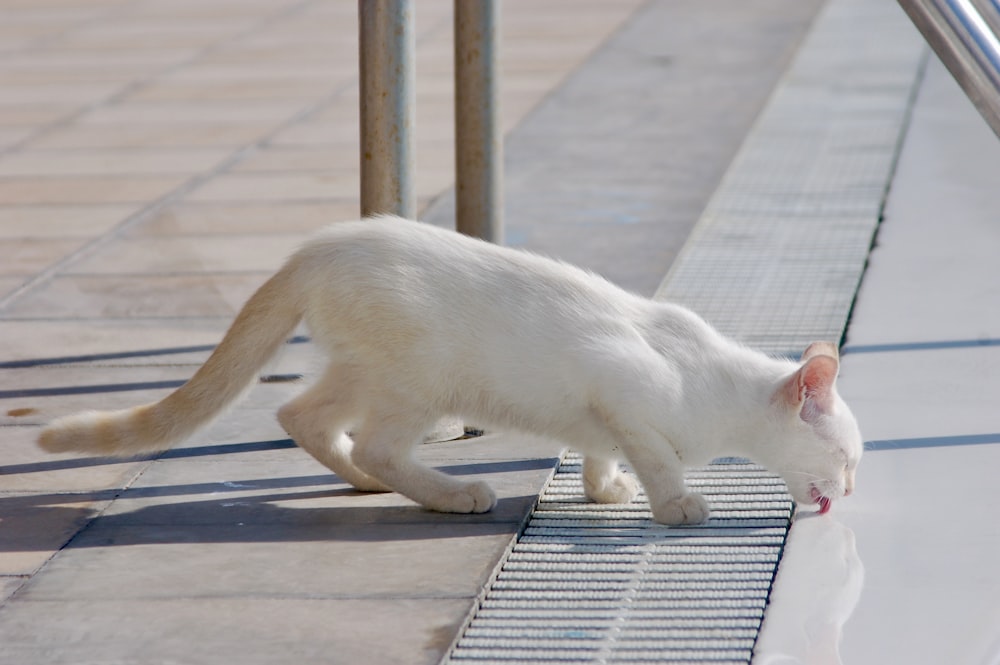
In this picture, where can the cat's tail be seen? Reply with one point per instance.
(261, 327)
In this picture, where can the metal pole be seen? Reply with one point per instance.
(990, 11)
(478, 133)
(967, 46)
(388, 100)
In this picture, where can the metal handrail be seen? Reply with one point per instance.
(963, 33)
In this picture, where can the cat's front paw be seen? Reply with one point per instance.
(690, 508)
(475, 497)
(620, 488)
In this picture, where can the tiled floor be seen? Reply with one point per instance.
(118, 114)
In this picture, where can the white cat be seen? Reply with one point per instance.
(421, 322)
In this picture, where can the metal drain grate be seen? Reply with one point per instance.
(589, 582)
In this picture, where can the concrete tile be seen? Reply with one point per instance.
(27, 468)
(27, 256)
(111, 162)
(34, 115)
(284, 47)
(288, 488)
(111, 561)
(193, 9)
(10, 136)
(138, 33)
(103, 297)
(257, 631)
(9, 584)
(238, 218)
(9, 285)
(36, 394)
(338, 137)
(32, 396)
(961, 398)
(291, 159)
(26, 70)
(192, 254)
(36, 526)
(60, 221)
(166, 113)
(28, 29)
(604, 243)
(72, 60)
(279, 187)
(58, 93)
(264, 89)
(54, 338)
(318, 72)
(61, 190)
(177, 135)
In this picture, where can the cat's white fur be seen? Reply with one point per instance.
(421, 322)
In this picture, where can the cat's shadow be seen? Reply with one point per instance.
(38, 523)
(285, 509)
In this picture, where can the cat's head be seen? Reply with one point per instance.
(820, 443)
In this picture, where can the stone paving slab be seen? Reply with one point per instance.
(265, 631)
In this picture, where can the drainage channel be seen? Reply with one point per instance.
(588, 582)
(775, 261)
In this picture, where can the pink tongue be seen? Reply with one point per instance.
(824, 505)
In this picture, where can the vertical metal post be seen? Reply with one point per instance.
(478, 133)
(388, 103)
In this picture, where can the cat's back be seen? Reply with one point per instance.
(405, 254)
(390, 241)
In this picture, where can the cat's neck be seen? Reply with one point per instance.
(729, 387)
(746, 382)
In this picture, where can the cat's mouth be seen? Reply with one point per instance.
(818, 497)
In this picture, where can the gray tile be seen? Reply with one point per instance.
(298, 558)
(28, 468)
(146, 255)
(249, 631)
(35, 526)
(9, 584)
(48, 338)
(95, 297)
(287, 487)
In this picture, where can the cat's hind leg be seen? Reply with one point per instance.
(605, 482)
(316, 420)
(384, 447)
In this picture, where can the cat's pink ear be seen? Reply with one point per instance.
(820, 349)
(810, 390)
